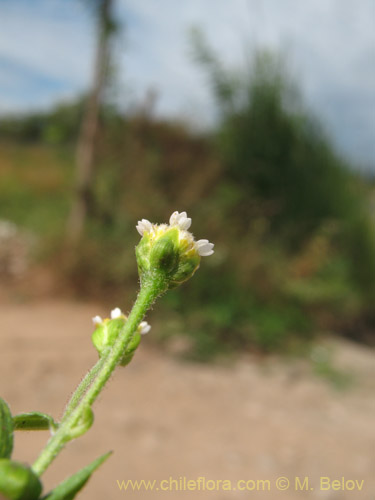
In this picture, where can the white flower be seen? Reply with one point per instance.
(170, 250)
(143, 225)
(181, 220)
(144, 327)
(116, 313)
(204, 248)
(97, 320)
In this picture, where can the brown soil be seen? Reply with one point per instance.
(169, 419)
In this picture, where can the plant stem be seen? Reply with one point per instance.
(91, 386)
(82, 388)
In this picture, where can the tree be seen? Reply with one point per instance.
(283, 162)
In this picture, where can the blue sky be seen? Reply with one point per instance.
(46, 53)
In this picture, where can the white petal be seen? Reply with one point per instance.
(206, 253)
(182, 215)
(173, 219)
(116, 313)
(184, 223)
(144, 327)
(141, 228)
(200, 243)
(147, 224)
(206, 249)
(177, 218)
(143, 225)
(97, 320)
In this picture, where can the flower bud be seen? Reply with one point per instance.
(169, 251)
(18, 482)
(107, 331)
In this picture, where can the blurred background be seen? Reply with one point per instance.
(257, 117)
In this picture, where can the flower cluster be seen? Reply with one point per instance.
(203, 247)
(170, 249)
(116, 313)
(108, 329)
(167, 255)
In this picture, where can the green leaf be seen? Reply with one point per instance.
(84, 423)
(68, 489)
(34, 421)
(6, 430)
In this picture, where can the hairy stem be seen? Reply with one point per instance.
(93, 383)
(82, 388)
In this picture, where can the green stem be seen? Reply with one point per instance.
(82, 388)
(150, 290)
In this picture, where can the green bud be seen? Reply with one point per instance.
(169, 253)
(187, 266)
(164, 254)
(130, 350)
(18, 482)
(106, 333)
(142, 252)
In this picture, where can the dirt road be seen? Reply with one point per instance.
(168, 420)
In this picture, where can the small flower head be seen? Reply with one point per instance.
(170, 249)
(144, 327)
(116, 313)
(97, 320)
(181, 220)
(108, 329)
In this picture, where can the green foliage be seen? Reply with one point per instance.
(68, 489)
(6, 430)
(233, 317)
(34, 184)
(34, 421)
(59, 126)
(277, 152)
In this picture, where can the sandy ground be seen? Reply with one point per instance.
(169, 420)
